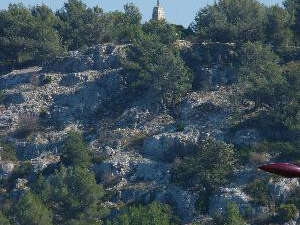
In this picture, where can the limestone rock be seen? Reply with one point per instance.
(167, 146)
(21, 184)
(99, 57)
(281, 188)
(219, 202)
(43, 161)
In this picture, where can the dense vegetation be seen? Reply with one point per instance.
(256, 49)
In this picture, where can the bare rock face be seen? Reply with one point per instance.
(43, 161)
(100, 57)
(167, 146)
(281, 188)
(219, 202)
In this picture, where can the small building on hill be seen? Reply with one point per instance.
(158, 12)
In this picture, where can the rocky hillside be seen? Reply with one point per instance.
(137, 140)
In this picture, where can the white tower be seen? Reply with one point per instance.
(158, 12)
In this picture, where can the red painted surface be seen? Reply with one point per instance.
(288, 170)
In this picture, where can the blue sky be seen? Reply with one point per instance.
(177, 11)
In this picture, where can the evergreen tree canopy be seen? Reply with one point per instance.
(233, 216)
(75, 194)
(30, 210)
(231, 21)
(152, 214)
(75, 151)
(27, 36)
(80, 26)
(3, 219)
(153, 67)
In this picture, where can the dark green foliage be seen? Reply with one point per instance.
(75, 151)
(208, 168)
(47, 80)
(27, 36)
(260, 75)
(164, 32)
(179, 127)
(278, 31)
(74, 193)
(287, 212)
(2, 97)
(152, 214)
(211, 64)
(294, 6)
(79, 25)
(23, 170)
(258, 190)
(132, 14)
(289, 111)
(3, 219)
(125, 27)
(283, 150)
(156, 69)
(8, 152)
(270, 86)
(30, 210)
(232, 216)
(231, 21)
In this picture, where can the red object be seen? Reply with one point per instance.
(288, 170)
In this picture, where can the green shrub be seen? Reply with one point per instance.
(73, 193)
(201, 203)
(8, 152)
(208, 168)
(47, 80)
(179, 126)
(232, 216)
(157, 69)
(3, 219)
(287, 212)
(2, 96)
(30, 210)
(258, 190)
(75, 151)
(256, 154)
(152, 214)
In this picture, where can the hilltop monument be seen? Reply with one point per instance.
(158, 12)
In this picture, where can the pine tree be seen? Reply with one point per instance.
(233, 216)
